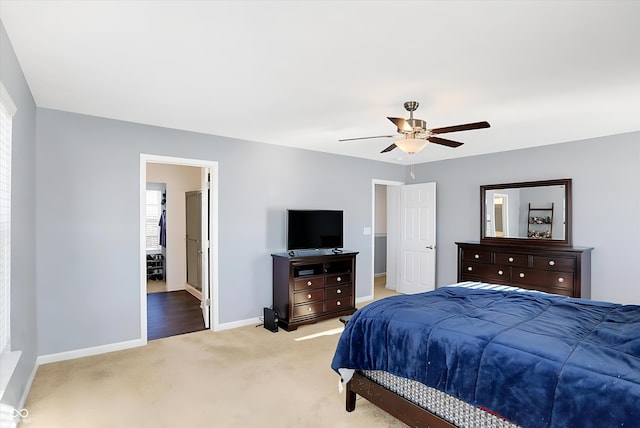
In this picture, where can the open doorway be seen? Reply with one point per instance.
(167, 293)
(409, 240)
(384, 222)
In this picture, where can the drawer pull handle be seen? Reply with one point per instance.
(308, 283)
(308, 309)
(339, 279)
(510, 259)
(500, 272)
(308, 296)
(551, 263)
(338, 291)
(560, 279)
(521, 274)
(469, 268)
(476, 256)
(338, 303)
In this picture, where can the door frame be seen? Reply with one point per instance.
(373, 222)
(213, 234)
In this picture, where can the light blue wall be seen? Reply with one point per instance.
(23, 217)
(88, 261)
(606, 203)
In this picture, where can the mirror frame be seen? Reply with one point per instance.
(566, 242)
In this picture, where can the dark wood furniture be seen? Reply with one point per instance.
(515, 219)
(397, 406)
(558, 270)
(308, 288)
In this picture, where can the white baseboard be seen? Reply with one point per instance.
(236, 324)
(364, 299)
(103, 349)
(87, 352)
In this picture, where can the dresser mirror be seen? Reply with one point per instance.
(532, 212)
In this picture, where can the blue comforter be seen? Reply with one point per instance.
(537, 359)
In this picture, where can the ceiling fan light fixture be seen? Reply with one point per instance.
(411, 145)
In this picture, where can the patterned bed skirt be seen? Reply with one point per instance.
(449, 408)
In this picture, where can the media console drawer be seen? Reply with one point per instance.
(335, 292)
(303, 311)
(308, 296)
(308, 283)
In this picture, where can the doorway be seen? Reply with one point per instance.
(417, 264)
(383, 239)
(175, 273)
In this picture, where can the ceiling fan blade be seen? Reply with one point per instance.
(388, 149)
(444, 141)
(400, 123)
(366, 138)
(465, 127)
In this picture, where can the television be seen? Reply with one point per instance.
(314, 229)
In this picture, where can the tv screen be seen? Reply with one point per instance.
(314, 229)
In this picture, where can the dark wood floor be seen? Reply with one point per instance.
(172, 313)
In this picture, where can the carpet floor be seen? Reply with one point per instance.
(245, 377)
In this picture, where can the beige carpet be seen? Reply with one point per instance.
(245, 377)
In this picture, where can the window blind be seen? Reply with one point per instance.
(7, 110)
(153, 212)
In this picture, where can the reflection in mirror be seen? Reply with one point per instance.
(531, 211)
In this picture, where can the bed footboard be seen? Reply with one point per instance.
(397, 406)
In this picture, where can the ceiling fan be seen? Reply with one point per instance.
(417, 136)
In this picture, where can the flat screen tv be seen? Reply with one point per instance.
(314, 229)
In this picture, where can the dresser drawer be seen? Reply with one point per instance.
(308, 283)
(340, 278)
(337, 304)
(306, 310)
(564, 264)
(308, 296)
(561, 291)
(512, 259)
(486, 272)
(477, 255)
(336, 292)
(547, 279)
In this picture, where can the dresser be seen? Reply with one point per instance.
(558, 270)
(308, 288)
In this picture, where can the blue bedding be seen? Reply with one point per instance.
(536, 359)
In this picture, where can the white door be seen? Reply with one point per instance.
(197, 242)
(417, 247)
(205, 303)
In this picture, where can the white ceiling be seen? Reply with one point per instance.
(306, 73)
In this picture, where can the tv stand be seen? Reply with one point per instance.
(313, 287)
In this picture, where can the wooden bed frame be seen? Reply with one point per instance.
(397, 406)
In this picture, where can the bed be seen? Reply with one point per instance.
(476, 354)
